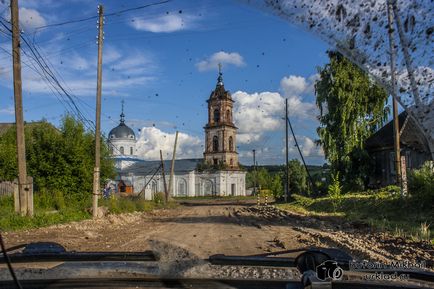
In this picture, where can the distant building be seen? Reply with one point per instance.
(380, 146)
(219, 173)
(121, 139)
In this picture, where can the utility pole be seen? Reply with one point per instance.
(394, 92)
(96, 172)
(24, 208)
(254, 172)
(286, 152)
(172, 165)
(166, 195)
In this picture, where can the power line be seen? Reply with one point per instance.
(107, 15)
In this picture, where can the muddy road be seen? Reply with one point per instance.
(205, 227)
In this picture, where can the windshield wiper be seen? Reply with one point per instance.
(50, 251)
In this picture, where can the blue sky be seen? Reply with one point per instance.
(163, 60)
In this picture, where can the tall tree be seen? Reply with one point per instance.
(59, 160)
(351, 108)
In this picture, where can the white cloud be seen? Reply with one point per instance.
(309, 148)
(256, 113)
(8, 110)
(165, 23)
(151, 140)
(29, 19)
(228, 58)
(293, 84)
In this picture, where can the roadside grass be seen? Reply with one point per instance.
(383, 210)
(70, 211)
(216, 198)
(10, 221)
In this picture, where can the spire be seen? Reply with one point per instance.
(122, 114)
(220, 78)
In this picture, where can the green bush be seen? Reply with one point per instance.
(159, 198)
(421, 183)
(302, 200)
(335, 191)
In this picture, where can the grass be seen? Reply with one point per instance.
(10, 221)
(217, 198)
(46, 215)
(382, 210)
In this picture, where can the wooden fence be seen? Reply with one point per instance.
(6, 188)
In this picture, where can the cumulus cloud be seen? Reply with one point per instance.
(166, 23)
(151, 140)
(256, 113)
(225, 58)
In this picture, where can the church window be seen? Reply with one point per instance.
(215, 161)
(231, 162)
(215, 143)
(216, 115)
(228, 116)
(121, 149)
(231, 144)
(182, 187)
(131, 150)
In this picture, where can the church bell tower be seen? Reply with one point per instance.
(220, 131)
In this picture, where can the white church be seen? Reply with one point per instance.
(222, 178)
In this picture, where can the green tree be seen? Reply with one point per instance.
(297, 177)
(60, 161)
(351, 108)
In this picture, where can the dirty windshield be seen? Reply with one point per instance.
(243, 140)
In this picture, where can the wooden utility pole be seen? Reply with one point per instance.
(96, 172)
(166, 194)
(394, 92)
(254, 171)
(24, 208)
(172, 165)
(286, 152)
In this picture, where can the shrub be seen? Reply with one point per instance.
(421, 183)
(335, 192)
(159, 198)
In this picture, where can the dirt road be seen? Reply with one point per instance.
(205, 228)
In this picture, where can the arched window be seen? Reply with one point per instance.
(231, 144)
(231, 162)
(182, 188)
(111, 150)
(216, 115)
(131, 150)
(121, 149)
(215, 143)
(228, 116)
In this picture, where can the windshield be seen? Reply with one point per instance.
(195, 128)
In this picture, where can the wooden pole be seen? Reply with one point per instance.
(172, 166)
(254, 172)
(166, 194)
(19, 118)
(286, 152)
(96, 172)
(394, 92)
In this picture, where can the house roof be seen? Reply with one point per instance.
(141, 167)
(410, 135)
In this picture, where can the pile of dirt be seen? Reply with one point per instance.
(362, 242)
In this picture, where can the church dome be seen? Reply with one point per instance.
(122, 131)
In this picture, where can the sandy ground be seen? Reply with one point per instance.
(204, 228)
